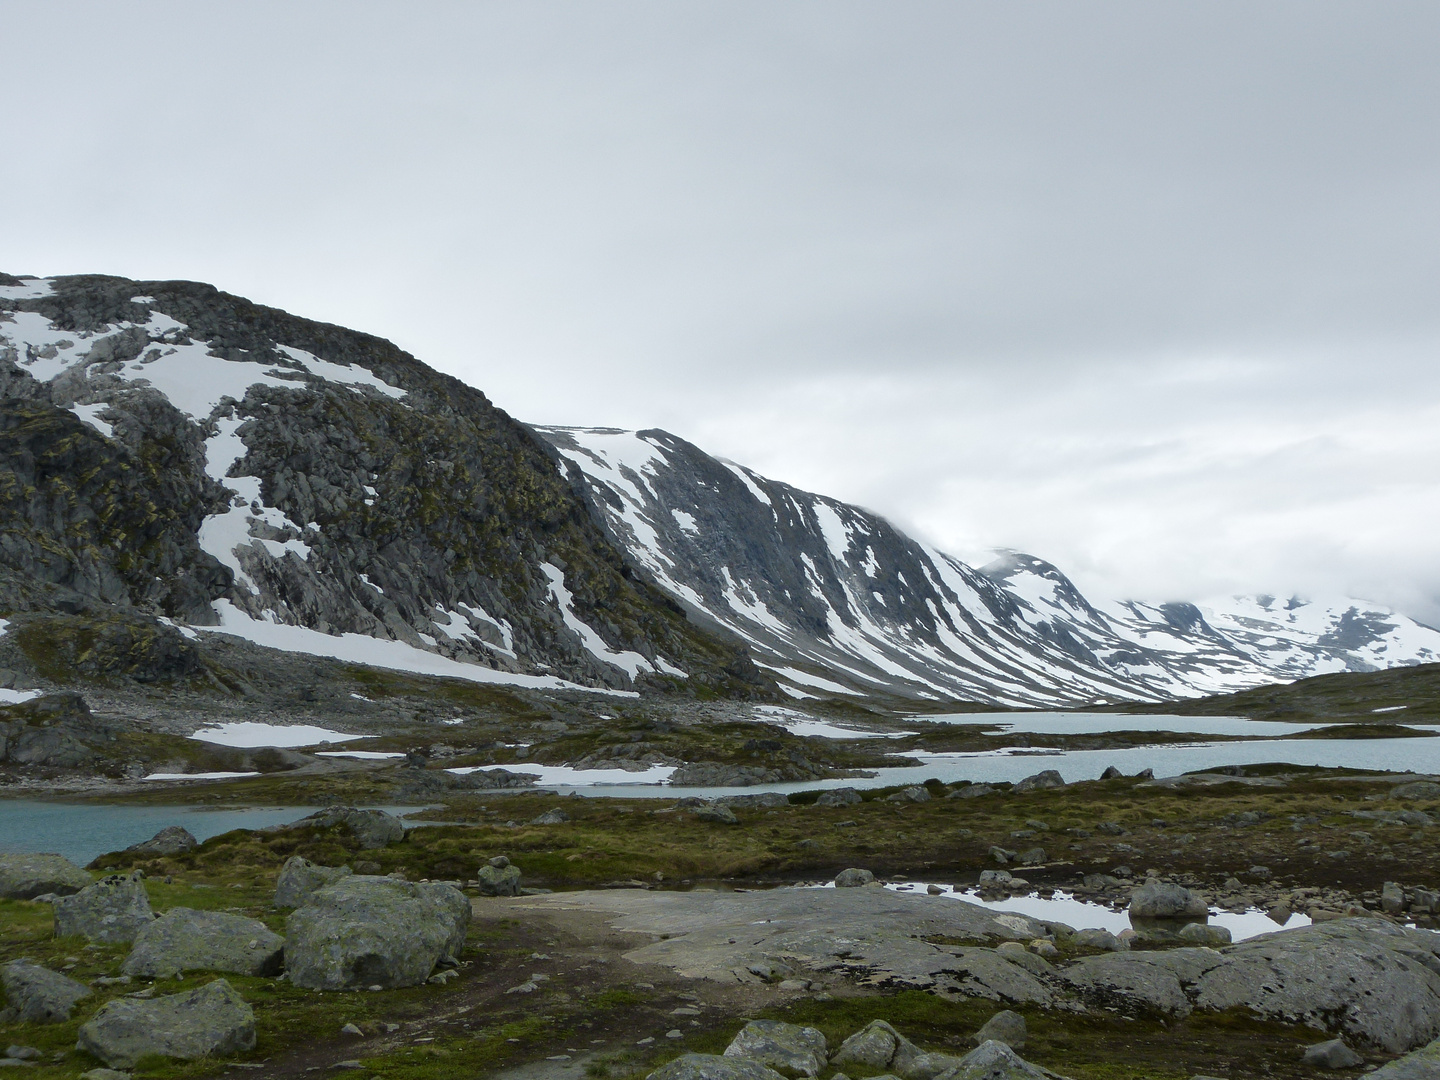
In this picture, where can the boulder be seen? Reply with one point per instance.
(1161, 900)
(765, 800)
(499, 877)
(1331, 1055)
(913, 794)
(1095, 938)
(717, 813)
(39, 995)
(1153, 981)
(1392, 898)
(871, 1047)
(1418, 789)
(457, 904)
(840, 796)
(1422, 1064)
(372, 931)
(551, 817)
(1006, 1027)
(112, 910)
(373, 828)
(171, 840)
(300, 877)
(1041, 781)
(786, 1048)
(994, 879)
(713, 1067)
(853, 878)
(972, 791)
(1198, 933)
(994, 1060)
(185, 940)
(1111, 773)
(24, 876)
(209, 1022)
(1034, 856)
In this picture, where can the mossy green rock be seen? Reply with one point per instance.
(209, 1022)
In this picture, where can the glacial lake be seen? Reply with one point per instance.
(1098, 723)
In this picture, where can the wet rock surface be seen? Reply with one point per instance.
(209, 1022)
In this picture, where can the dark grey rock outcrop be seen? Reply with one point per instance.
(24, 876)
(372, 828)
(209, 1022)
(184, 940)
(171, 840)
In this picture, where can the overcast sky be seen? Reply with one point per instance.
(1149, 290)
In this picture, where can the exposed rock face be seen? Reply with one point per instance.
(39, 995)
(184, 940)
(370, 495)
(55, 730)
(1161, 900)
(369, 931)
(171, 840)
(209, 1022)
(713, 1067)
(113, 909)
(300, 877)
(24, 876)
(373, 828)
(786, 1048)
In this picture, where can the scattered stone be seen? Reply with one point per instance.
(994, 879)
(719, 814)
(1111, 773)
(1161, 900)
(994, 1060)
(1002, 855)
(1331, 1055)
(913, 794)
(171, 840)
(352, 1029)
(1110, 828)
(1041, 781)
(786, 1048)
(1392, 898)
(1258, 873)
(711, 1067)
(843, 796)
(369, 931)
(39, 995)
(185, 940)
(1007, 1027)
(25, 876)
(1279, 914)
(1094, 938)
(674, 1033)
(1031, 857)
(1204, 934)
(972, 791)
(871, 1047)
(551, 817)
(300, 877)
(373, 828)
(209, 1022)
(934, 890)
(853, 878)
(112, 910)
(499, 877)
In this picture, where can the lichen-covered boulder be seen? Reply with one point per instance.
(171, 840)
(840, 796)
(853, 878)
(1163, 900)
(994, 1060)
(24, 876)
(713, 1067)
(786, 1048)
(112, 910)
(373, 828)
(499, 877)
(208, 1022)
(300, 877)
(373, 931)
(184, 940)
(871, 1047)
(39, 995)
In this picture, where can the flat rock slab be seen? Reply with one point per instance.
(185, 940)
(207, 1022)
(39, 995)
(874, 934)
(24, 876)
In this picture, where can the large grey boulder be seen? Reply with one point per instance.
(1422, 1064)
(300, 877)
(994, 1060)
(1006, 1027)
(1154, 981)
(207, 1022)
(24, 876)
(373, 931)
(872, 1047)
(39, 995)
(185, 940)
(1041, 781)
(171, 840)
(853, 878)
(840, 796)
(1162, 900)
(499, 877)
(787, 1048)
(713, 1067)
(112, 910)
(373, 828)
(1331, 1055)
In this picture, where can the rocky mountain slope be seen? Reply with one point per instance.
(176, 461)
(834, 599)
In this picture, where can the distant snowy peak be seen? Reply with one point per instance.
(834, 599)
